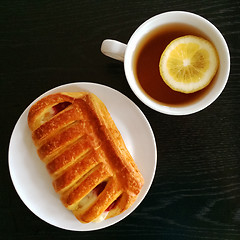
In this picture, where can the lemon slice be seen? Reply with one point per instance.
(188, 64)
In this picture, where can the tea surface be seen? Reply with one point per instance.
(146, 63)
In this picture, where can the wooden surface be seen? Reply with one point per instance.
(196, 190)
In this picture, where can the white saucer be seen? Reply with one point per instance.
(32, 181)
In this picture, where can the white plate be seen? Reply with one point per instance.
(32, 181)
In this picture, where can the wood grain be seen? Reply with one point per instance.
(196, 190)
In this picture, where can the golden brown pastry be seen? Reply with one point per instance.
(85, 154)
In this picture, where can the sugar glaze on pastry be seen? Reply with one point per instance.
(92, 170)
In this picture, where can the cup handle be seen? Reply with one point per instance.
(114, 49)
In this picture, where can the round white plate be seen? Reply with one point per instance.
(32, 181)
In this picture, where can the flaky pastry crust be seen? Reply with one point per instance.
(85, 155)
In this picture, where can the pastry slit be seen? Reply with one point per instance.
(85, 185)
(77, 150)
(46, 114)
(87, 201)
(108, 212)
(57, 123)
(75, 172)
(110, 193)
(61, 140)
(60, 107)
(51, 112)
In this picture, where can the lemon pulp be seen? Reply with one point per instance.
(188, 64)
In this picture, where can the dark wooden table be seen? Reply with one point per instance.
(196, 190)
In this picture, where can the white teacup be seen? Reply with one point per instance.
(125, 53)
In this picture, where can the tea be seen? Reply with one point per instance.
(146, 64)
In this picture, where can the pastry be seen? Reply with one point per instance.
(92, 170)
